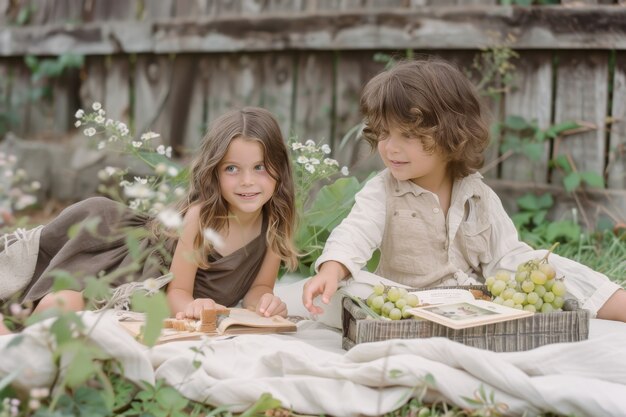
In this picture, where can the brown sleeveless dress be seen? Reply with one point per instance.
(105, 248)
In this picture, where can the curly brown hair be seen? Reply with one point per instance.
(431, 100)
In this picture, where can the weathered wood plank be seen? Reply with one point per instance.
(235, 81)
(117, 88)
(314, 97)
(354, 70)
(617, 147)
(115, 10)
(530, 98)
(5, 9)
(65, 101)
(161, 9)
(277, 87)
(194, 8)
(20, 94)
(581, 95)
(93, 86)
(153, 86)
(427, 28)
(196, 124)
(182, 106)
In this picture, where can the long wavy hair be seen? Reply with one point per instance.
(431, 100)
(259, 125)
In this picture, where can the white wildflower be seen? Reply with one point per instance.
(138, 191)
(309, 143)
(101, 145)
(141, 180)
(77, 123)
(39, 392)
(134, 204)
(8, 173)
(137, 144)
(160, 150)
(172, 171)
(101, 112)
(302, 159)
(108, 123)
(149, 135)
(213, 238)
(15, 309)
(161, 196)
(296, 145)
(99, 120)
(96, 106)
(309, 168)
(151, 285)
(25, 201)
(79, 114)
(125, 184)
(34, 404)
(20, 173)
(331, 162)
(345, 171)
(314, 161)
(156, 208)
(90, 131)
(113, 138)
(35, 185)
(179, 192)
(160, 168)
(326, 149)
(170, 218)
(164, 188)
(168, 151)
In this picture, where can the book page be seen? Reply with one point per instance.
(246, 321)
(443, 296)
(466, 314)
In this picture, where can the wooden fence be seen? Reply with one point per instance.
(173, 66)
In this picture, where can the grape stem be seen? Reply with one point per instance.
(552, 248)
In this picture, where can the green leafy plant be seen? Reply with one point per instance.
(573, 178)
(43, 70)
(319, 211)
(533, 226)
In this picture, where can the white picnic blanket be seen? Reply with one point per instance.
(309, 373)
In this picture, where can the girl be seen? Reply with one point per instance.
(434, 220)
(239, 216)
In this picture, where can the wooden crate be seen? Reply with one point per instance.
(509, 336)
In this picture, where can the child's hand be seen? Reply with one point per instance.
(271, 305)
(321, 284)
(194, 308)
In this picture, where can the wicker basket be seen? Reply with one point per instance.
(509, 336)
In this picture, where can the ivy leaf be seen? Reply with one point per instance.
(170, 399)
(539, 216)
(565, 229)
(571, 181)
(516, 123)
(83, 364)
(528, 202)
(593, 179)
(266, 402)
(555, 130)
(533, 150)
(562, 162)
(521, 219)
(156, 309)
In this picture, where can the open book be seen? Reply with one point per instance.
(239, 321)
(468, 313)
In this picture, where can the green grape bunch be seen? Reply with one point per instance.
(534, 287)
(391, 302)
